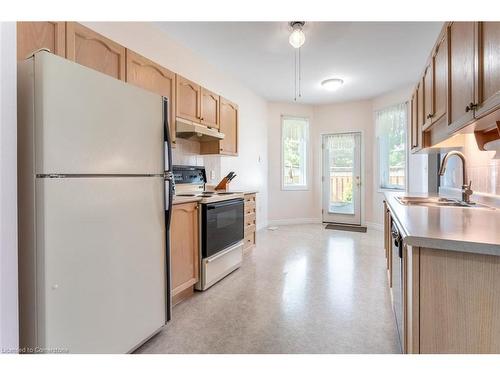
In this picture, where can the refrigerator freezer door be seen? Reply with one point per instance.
(101, 262)
(89, 123)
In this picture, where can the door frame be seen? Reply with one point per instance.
(362, 170)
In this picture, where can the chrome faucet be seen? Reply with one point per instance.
(466, 190)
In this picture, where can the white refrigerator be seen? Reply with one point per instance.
(94, 201)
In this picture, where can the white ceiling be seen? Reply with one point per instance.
(371, 57)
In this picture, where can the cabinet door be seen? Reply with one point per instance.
(184, 246)
(229, 126)
(209, 108)
(428, 97)
(188, 99)
(414, 124)
(488, 82)
(32, 36)
(440, 79)
(93, 50)
(155, 78)
(461, 47)
(420, 114)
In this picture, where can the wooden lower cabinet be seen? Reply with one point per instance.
(250, 221)
(32, 36)
(184, 250)
(450, 301)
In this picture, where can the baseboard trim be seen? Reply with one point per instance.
(374, 226)
(299, 220)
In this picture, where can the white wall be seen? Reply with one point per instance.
(251, 164)
(289, 206)
(8, 189)
(305, 206)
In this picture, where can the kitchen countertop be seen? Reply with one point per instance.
(473, 230)
(180, 200)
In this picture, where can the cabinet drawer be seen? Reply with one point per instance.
(249, 207)
(249, 198)
(250, 219)
(249, 240)
(250, 228)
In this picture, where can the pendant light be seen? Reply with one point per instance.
(297, 39)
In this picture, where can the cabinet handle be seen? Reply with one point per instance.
(470, 107)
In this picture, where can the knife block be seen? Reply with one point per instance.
(223, 185)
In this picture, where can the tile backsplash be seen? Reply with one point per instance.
(482, 169)
(188, 153)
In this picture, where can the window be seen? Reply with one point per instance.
(294, 145)
(391, 124)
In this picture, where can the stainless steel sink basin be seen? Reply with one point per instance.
(438, 202)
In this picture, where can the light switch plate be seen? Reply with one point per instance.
(212, 175)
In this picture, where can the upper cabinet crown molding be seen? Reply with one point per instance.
(95, 51)
(32, 36)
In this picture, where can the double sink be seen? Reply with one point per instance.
(439, 202)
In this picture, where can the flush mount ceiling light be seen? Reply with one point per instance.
(332, 84)
(297, 37)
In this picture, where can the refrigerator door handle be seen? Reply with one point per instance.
(168, 177)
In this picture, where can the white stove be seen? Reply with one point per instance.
(221, 217)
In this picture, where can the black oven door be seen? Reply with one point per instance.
(222, 225)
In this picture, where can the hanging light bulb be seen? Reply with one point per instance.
(297, 37)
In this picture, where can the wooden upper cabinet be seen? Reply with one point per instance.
(209, 108)
(229, 127)
(427, 84)
(184, 249)
(420, 113)
(414, 123)
(188, 102)
(86, 47)
(461, 54)
(32, 36)
(440, 79)
(150, 76)
(488, 82)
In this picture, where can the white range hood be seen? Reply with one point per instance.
(191, 130)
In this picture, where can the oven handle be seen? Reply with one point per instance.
(224, 204)
(222, 253)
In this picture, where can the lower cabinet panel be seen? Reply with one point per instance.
(459, 302)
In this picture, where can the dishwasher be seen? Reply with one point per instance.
(397, 280)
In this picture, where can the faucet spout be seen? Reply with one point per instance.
(466, 190)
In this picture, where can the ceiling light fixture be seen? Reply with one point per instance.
(296, 40)
(297, 37)
(332, 84)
